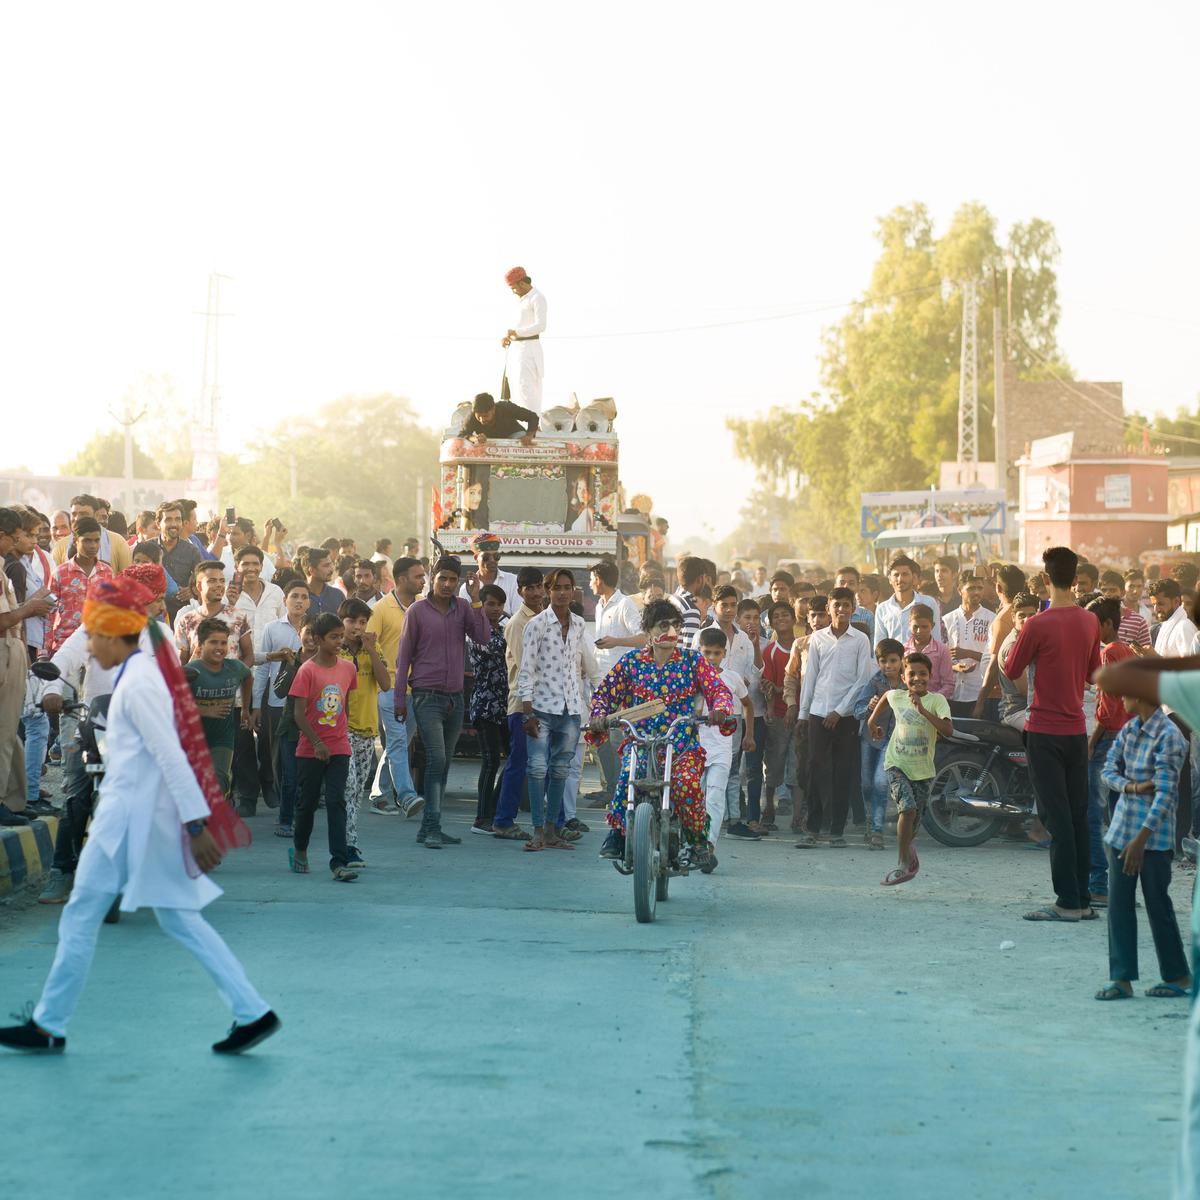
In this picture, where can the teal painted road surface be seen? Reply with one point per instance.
(483, 1022)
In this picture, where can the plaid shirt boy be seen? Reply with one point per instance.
(1145, 750)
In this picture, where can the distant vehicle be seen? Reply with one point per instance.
(927, 543)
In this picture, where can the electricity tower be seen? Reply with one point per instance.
(968, 390)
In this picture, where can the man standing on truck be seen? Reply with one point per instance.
(523, 366)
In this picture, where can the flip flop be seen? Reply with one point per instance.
(1112, 992)
(298, 865)
(1050, 914)
(1168, 991)
(1090, 915)
(559, 846)
(897, 875)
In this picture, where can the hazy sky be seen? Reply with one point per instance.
(366, 174)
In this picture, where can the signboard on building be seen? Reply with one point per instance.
(1117, 491)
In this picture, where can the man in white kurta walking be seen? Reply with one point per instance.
(148, 842)
(523, 365)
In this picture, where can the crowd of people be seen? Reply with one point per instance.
(326, 679)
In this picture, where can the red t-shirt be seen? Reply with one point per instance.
(775, 659)
(1110, 710)
(323, 691)
(1064, 646)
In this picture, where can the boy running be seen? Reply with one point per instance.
(920, 716)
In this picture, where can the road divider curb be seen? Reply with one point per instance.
(26, 852)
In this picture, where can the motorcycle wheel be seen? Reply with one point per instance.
(645, 851)
(944, 818)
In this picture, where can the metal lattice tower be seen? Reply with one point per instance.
(968, 384)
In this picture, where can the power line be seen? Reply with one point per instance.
(1122, 420)
(672, 329)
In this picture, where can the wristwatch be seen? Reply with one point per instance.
(196, 828)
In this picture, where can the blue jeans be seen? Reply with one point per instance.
(550, 754)
(513, 779)
(36, 733)
(393, 776)
(874, 782)
(753, 760)
(289, 787)
(1097, 806)
(439, 718)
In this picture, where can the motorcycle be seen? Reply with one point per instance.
(90, 735)
(982, 784)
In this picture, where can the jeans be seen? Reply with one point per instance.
(1097, 811)
(753, 763)
(493, 739)
(1058, 768)
(289, 790)
(439, 720)
(312, 773)
(35, 731)
(833, 764)
(571, 790)
(778, 747)
(513, 780)
(733, 788)
(1160, 912)
(874, 781)
(252, 768)
(551, 754)
(393, 775)
(610, 767)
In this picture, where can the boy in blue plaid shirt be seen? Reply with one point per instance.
(1142, 770)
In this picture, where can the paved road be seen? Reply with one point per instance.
(479, 1022)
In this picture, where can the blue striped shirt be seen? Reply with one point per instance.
(1145, 751)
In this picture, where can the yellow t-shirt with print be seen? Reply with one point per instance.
(362, 709)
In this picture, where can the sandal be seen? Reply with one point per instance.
(513, 833)
(875, 841)
(1112, 992)
(1050, 913)
(559, 844)
(897, 875)
(1168, 991)
(534, 845)
(299, 865)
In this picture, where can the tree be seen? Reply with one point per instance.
(357, 464)
(104, 456)
(888, 412)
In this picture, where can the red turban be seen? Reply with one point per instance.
(116, 607)
(515, 276)
(150, 575)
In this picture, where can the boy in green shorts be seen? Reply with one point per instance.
(215, 680)
(920, 716)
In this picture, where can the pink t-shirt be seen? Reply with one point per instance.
(323, 691)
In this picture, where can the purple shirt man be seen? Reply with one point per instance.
(433, 645)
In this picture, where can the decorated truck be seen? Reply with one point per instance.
(555, 502)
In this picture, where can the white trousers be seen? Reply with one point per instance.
(715, 780)
(77, 930)
(525, 369)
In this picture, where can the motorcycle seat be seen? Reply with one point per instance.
(992, 733)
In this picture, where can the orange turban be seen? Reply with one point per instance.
(150, 575)
(515, 276)
(116, 607)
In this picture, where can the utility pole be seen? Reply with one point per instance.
(205, 462)
(128, 419)
(968, 390)
(998, 360)
(423, 516)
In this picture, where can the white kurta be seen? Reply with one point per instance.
(136, 842)
(524, 365)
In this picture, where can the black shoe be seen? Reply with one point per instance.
(8, 817)
(448, 839)
(614, 845)
(740, 829)
(575, 825)
(432, 839)
(706, 859)
(243, 1037)
(422, 834)
(29, 1039)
